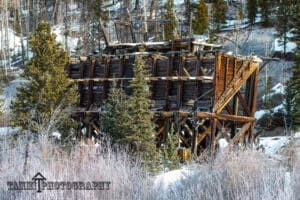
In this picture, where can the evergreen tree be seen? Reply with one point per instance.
(200, 23)
(97, 8)
(47, 97)
(114, 118)
(219, 9)
(188, 11)
(295, 80)
(265, 12)
(251, 11)
(170, 23)
(267, 102)
(289, 105)
(141, 133)
(170, 152)
(283, 22)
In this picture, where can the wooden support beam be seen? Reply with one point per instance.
(160, 130)
(186, 72)
(189, 131)
(164, 78)
(184, 140)
(224, 117)
(254, 101)
(203, 135)
(95, 127)
(194, 142)
(180, 82)
(225, 74)
(235, 105)
(213, 137)
(234, 86)
(243, 103)
(169, 72)
(241, 133)
(229, 109)
(254, 93)
(167, 125)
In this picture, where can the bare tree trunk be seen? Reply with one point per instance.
(6, 49)
(19, 13)
(66, 25)
(54, 13)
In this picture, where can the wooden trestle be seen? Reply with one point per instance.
(203, 95)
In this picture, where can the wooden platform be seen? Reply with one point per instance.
(205, 95)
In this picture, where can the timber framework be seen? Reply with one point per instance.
(204, 94)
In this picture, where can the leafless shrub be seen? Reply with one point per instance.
(232, 175)
(235, 175)
(84, 162)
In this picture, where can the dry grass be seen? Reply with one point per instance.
(233, 175)
(244, 175)
(78, 163)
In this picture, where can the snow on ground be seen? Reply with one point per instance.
(279, 108)
(290, 46)
(7, 130)
(14, 41)
(71, 41)
(170, 179)
(223, 143)
(10, 92)
(273, 146)
(279, 47)
(57, 135)
(14, 44)
(260, 113)
(277, 89)
(257, 40)
(297, 135)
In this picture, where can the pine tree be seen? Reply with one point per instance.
(114, 117)
(219, 9)
(141, 133)
(188, 11)
(251, 11)
(265, 12)
(200, 23)
(170, 152)
(267, 102)
(170, 23)
(44, 103)
(283, 22)
(289, 105)
(295, 80)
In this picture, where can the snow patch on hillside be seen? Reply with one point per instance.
(14, 42)
(10, 91)
(277, 89)
(279, 47)
(60, 37)
(260, 113)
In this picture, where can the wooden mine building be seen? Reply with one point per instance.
(205, 94)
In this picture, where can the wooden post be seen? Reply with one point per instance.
(213, 137)
(195, 124)
(253, 105)
(235, 112)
